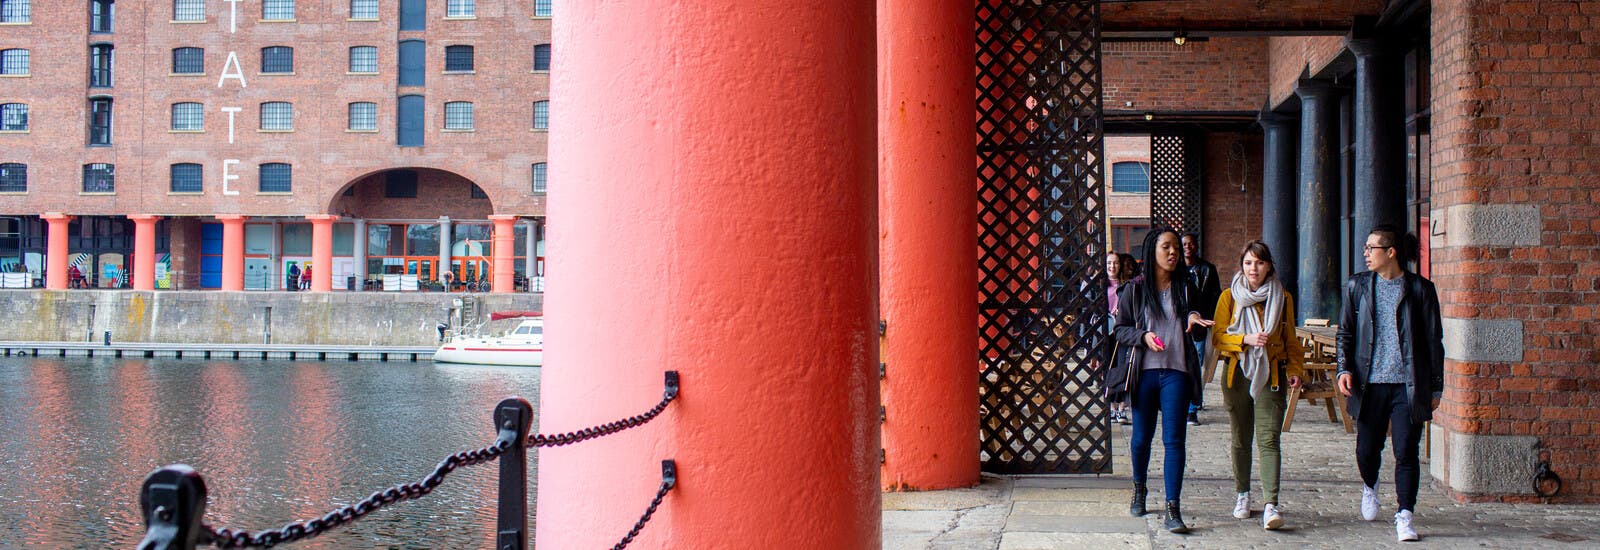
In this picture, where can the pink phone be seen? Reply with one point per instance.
(1159, 343)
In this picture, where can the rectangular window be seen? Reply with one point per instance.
(14, 61)
(363, 9)
(14, 117)
(277, 115)
(409, 124)
(277, 10)
(458, 58)
(460, 8)
(1130, 177)
(541, 115)
(186, 178)
(100, 16)
(541, 8)
(363, 116)
(276, 177)
(413, 15)
(99, 178)
(188, 61)
(189, 10)
(539, 178)
(458, 115)
(541, 57)
(364, 59)
(100, 66)
(188, 117)
(13, 178)
(277, 59)
(100, 121)
(412, 62)
(400, 184)
(477, 193)
(297, 239)
(15, 11)
(422, 239)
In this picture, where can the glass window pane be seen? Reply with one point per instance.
(422, 239)
(186, 178)
(277, 115)
(541, 8)
(13, 178)
(460, 8)
(15, 11)
(189, 10)
(363, 116)
(14, 61)
(297, 239)
(377, 241)
(539, 177)
(100, 121)
(188, 61)
(257, 238)
(99, 178)
(277, 10)
(458, 115)
(1130, 177)
(100, 66)
(344, 239)
(541, 57)
(363, 9)
(187, 116)
(277, 59)
(100, 16)
(14, 117)
(364, 59)
(276, 178)
(458, 58)
(541, 115)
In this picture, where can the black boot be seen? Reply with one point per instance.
(1175, 519)
(1136, 506)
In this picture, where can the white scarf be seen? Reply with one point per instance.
(1245, 321)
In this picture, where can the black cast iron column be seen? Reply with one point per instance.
(1380, 133)
(1278, 190)
(1317, 261)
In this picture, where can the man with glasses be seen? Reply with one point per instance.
(1391, 367)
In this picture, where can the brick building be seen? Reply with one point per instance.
(234, 139)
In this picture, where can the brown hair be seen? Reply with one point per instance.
(1261, 252)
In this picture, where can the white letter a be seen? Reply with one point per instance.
(237, 73)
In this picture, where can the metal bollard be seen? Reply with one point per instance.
(173, 500)
(512, 417)
(108, 337)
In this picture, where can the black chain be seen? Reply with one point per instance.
(669, 479)
(229, 538)
(670, 393)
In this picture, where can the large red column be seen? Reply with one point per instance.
(505, 254)
(927, 260)
(322, 252)
(232, 251)
(144, 251)
(717, 217)
(55, 267)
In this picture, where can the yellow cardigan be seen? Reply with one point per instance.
(1282, 344)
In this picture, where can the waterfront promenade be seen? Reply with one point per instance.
(1320, 491)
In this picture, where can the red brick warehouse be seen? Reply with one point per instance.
(213, 144)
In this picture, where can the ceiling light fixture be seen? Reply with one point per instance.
(1179, 37)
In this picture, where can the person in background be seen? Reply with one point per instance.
(1255, 335)
(1204, 275)
(1154, 317)
(1114, 280)
(1391, 367)
(292, 281)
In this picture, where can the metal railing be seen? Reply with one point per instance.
(173, 498)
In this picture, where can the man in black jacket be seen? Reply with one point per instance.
(1391, 367)
(1204, 275)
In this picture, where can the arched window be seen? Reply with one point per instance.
(363, 116)
(364, 59)
(1130, 177)
(188, 10)
(13, 178)
(100, 16)
(541, 115)
(458, 115)
(100, 65)
(409, 124)
(364, 10)
(276, 177)
(100, 121)
(277, 10)
(460, 8)
(188, 117)
(458, 59)
(14, 117)
(15, 11)
(541, 8)
(99, 178)
(541, 57)
(14, 61)
(413, 57)
(277, 60)
(539, 178)
(186, 178)
(188, 61)
(277, 115)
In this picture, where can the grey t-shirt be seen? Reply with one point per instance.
(1387, 365)
(1169, 330)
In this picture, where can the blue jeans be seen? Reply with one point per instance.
(1165, 391)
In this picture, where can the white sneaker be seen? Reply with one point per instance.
(1241, 506)
(1369, 503)
(1402, 527)
(1271, 519)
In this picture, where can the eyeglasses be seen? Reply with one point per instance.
(1369, 248)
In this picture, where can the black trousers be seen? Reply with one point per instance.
(1385, 408)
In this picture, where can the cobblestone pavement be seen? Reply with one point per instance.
(1320, 491)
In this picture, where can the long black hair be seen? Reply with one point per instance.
(1148, 293)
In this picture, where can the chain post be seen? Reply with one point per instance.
(513, 417)
(173, 500)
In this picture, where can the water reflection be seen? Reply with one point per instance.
(277, 442)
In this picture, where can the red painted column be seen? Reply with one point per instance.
(55, 267)
(232, 251)
(718, 218)
(144, 251)
(927, 220)
(322, 252)
(505, 254)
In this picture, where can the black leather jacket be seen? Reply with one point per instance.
(1208, 287)
(1123, 376)
(1421, 340)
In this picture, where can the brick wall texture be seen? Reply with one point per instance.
(1516, 112)
(1232, 198)
(1161, 76)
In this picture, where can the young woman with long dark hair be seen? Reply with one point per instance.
(1158, 366)
(1255, 335)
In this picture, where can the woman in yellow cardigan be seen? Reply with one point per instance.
(1255, 335)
